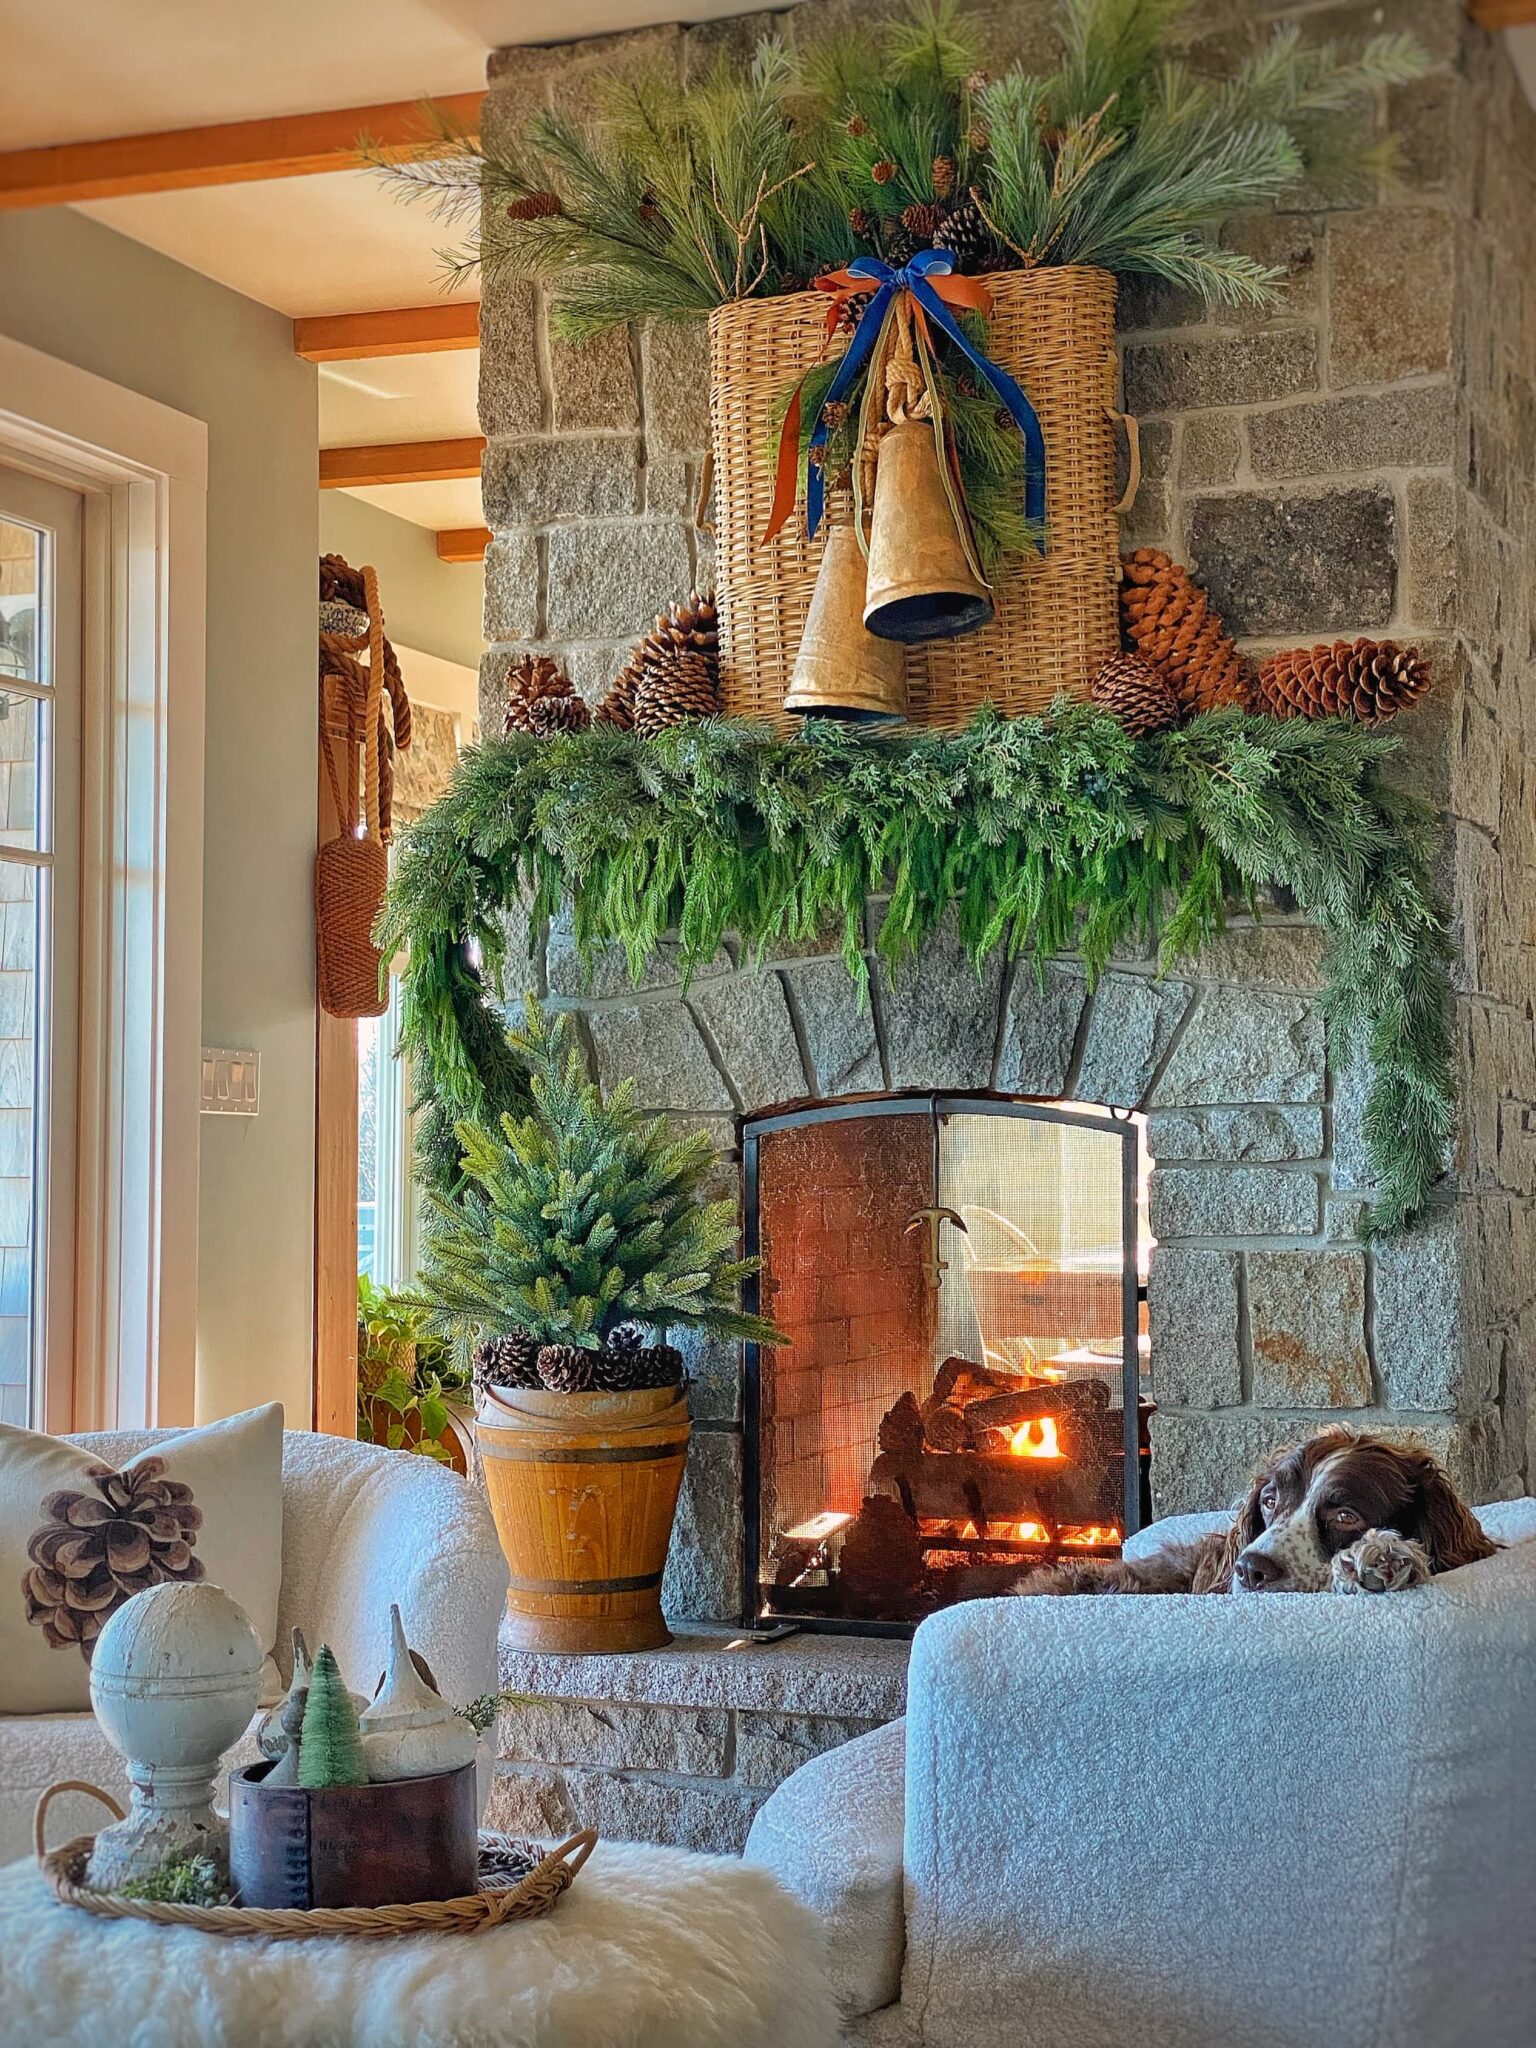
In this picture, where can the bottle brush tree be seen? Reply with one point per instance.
(331, 1745)
(579, 1216)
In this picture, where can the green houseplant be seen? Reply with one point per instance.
(581, 1226)
(408, 1383)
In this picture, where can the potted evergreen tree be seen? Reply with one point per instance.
(580, 1238)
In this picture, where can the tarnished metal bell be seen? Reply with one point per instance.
(841, 671)
(921, 585)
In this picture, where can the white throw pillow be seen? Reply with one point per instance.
(78, 1539)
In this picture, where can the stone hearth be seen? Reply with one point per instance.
(1359, 461)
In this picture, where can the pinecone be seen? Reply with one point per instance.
(96, 1550)
(676, 666)
(1170, 622)
(510, 1361)
(628, 1338)
(862, 221)
(943, 177)
(567, 1369)
(674, 690)
(535, 206)
(550, 715)
(900, 244)
(967, 237)
(618, 705)
(1136, 693)
(534, 677)
(660, 1365)
(883, 172)
(1367, 680)
(923, 222)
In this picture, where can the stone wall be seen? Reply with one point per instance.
(1359, 461)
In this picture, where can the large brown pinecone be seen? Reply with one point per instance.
(1139, 695)
(510, 1361)
(529, 681)
(1368, 680)
(674, 689)
(1171, 622)
(96, 1550)
(568, 1369)
(618, 705)
(550, 715)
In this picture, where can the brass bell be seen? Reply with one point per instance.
(841, 671)
(921, 582)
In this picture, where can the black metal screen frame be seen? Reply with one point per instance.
(935, 1106)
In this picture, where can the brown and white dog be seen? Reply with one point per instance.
(1342, 1512)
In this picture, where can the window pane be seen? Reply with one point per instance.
(21, 561)
(23, 721)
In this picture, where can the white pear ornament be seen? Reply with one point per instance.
(409, 1730)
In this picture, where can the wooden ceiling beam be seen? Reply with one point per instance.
(400, 462)
(463, 544)
(1497, 14)
(404, 331)
(233, 153)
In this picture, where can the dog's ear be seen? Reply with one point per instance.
(1247, 1525)
(1448, 1529)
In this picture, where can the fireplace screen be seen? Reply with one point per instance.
(958, 1402)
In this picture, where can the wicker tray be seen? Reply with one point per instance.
(529, 1899)
(1057, 616)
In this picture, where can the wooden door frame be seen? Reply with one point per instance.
(335, 1357)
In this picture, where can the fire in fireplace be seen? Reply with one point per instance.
(959, 1401)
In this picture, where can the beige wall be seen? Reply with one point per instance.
(431, 605)
(77, 291)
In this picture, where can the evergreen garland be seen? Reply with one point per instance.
(1046, 834)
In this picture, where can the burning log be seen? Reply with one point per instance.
(1060, 1398)
(901, 1429)
(958, 1385)
(972, 1487)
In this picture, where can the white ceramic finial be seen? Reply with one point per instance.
(175, 1678)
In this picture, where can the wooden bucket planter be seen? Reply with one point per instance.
(353, 1845)
(583, 1488)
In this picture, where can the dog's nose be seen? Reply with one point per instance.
(1256, 1573)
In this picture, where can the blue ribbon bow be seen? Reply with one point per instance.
(913, 277)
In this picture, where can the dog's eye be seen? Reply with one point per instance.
(1269, 1499)
(1345, 1518)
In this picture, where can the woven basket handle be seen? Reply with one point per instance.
(40, 1813)
(1132, 427)
(371, 708)
(701, 519)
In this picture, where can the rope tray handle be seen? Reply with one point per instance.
(529, 1899)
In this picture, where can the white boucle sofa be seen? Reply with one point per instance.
(1295, 1821)
(362, 1527)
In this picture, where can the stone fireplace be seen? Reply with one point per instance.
(1359, 461)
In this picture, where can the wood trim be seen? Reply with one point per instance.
(463, 544)
(1497, 14)
(405, 331)
(233, 153)
(335, 1362)
(400, 462)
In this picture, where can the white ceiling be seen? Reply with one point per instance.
(342, 243)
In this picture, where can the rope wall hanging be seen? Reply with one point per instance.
(352, 870)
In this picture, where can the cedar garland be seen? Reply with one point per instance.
(1045, 835)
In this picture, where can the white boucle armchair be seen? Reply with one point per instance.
(362, 1527)
(1296, 1821)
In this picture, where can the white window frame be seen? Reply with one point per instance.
(143, 471)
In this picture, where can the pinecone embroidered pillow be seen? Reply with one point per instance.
(82, 1530)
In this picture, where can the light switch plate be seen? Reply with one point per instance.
(231, 1081)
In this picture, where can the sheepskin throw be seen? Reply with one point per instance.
(652, 1948)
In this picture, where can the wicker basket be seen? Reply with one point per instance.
(1057, 616)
